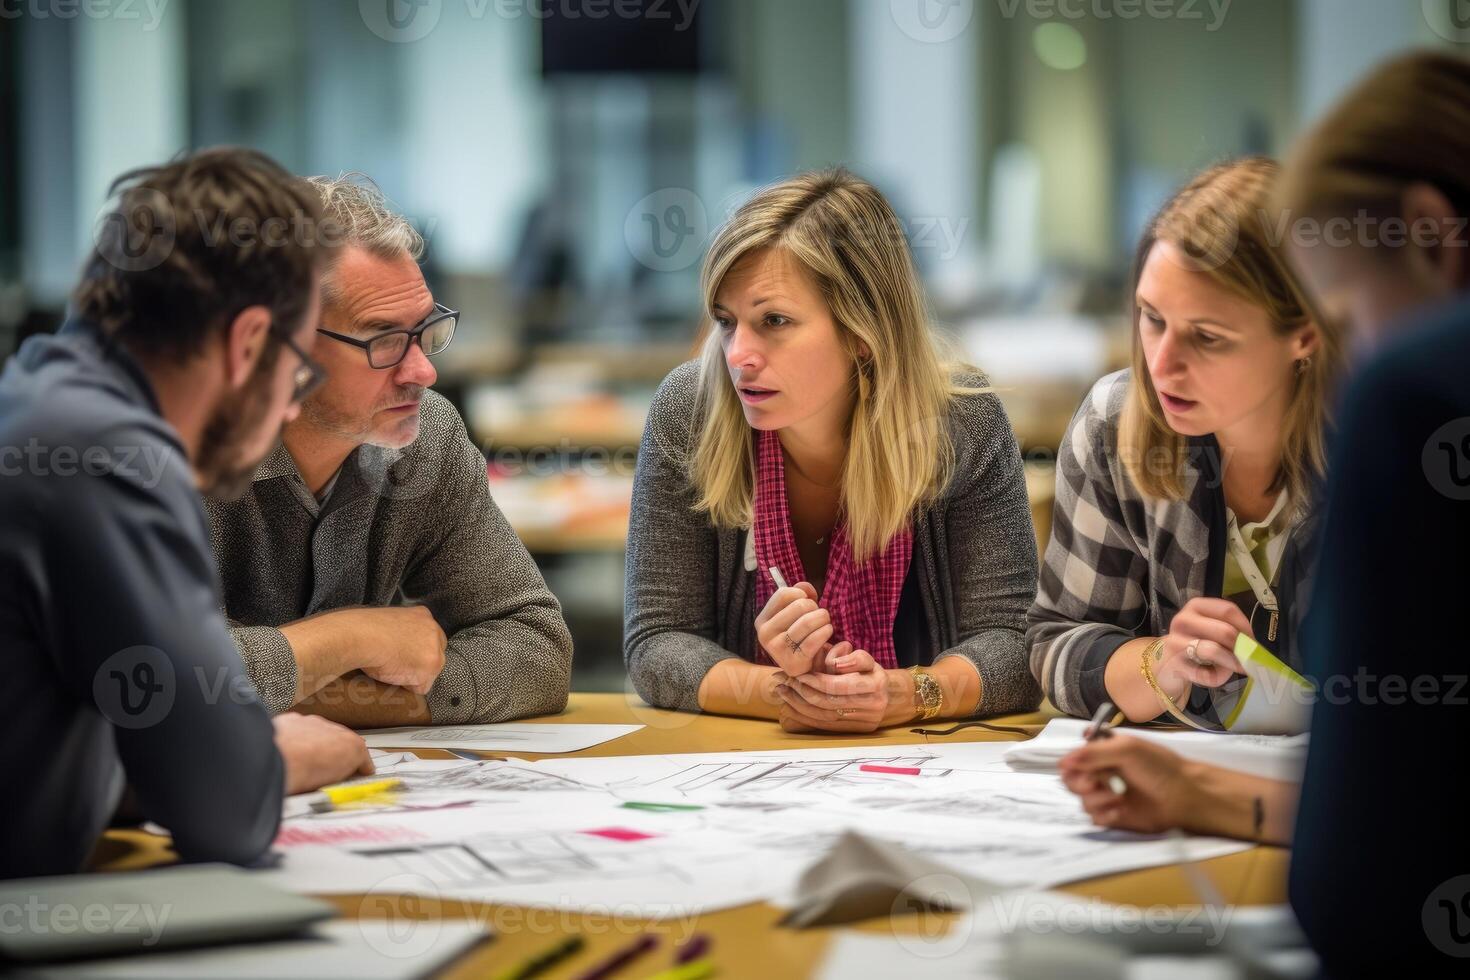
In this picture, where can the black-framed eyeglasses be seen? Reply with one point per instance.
(389, 349)
(309, 375)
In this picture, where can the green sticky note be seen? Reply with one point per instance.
(1275, 699)
(1252, 654)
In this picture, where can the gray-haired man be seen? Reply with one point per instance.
(368, 575)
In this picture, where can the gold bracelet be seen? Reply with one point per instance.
(1148, 674)
(928, 695)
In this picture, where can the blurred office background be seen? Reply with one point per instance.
(567, 159)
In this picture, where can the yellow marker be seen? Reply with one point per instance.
(332, 797)
(697, 970)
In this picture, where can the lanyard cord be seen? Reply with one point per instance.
(1248, 567)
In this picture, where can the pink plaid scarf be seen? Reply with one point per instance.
(861, 599)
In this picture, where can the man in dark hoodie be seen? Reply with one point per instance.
(179, 364)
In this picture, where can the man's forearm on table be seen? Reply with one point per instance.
(325, 648)
(358, 701)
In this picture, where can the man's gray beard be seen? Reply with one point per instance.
(316, 413)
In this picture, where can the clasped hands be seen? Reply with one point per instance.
(822, 686)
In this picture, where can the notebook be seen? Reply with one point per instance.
(70, 916)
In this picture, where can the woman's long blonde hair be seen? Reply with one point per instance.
(1222, 223)
(844, 235)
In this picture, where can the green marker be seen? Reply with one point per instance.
(659, 807)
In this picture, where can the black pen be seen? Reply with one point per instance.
(1101, 727)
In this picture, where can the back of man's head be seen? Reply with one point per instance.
(190, 243)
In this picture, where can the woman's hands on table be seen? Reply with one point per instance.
(848, 692)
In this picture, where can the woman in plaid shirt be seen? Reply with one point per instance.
(1187, 485)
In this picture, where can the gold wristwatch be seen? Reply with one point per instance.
(928, 695)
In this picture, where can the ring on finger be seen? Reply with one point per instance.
(843, 712)
(1192, 653)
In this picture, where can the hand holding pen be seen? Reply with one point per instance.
(792, 628)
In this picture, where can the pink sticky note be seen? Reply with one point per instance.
(892, 770)
(619, 833)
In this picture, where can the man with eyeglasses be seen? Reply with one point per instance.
(182, 357)
(368, 575)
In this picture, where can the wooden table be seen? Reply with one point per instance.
(747, 941)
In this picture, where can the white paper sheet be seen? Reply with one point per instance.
(1272, 756)
(549, 738)
(596, 834)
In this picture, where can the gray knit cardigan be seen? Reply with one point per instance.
(689, 598)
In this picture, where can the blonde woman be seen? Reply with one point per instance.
(1187, 486)
(821, 434)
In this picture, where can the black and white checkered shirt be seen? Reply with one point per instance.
(1119, 565)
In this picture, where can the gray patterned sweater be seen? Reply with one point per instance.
(689, 600)
(415, 525)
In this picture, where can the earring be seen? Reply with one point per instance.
(1304, 365)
